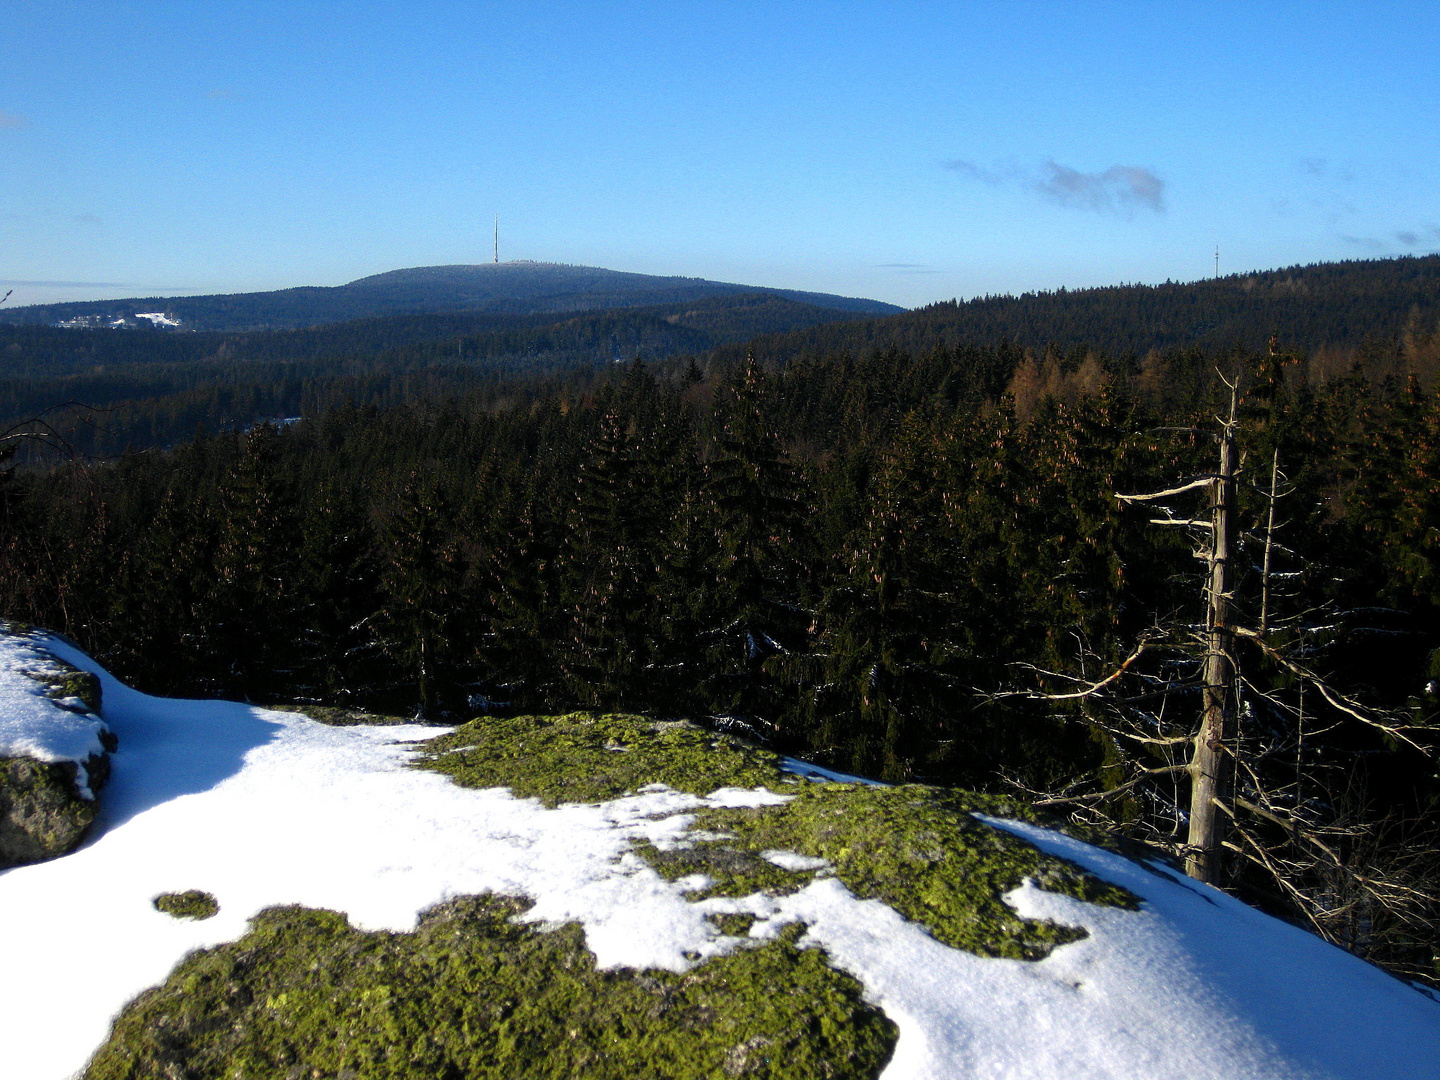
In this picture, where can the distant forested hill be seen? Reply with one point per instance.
(1159, 340)
(515, 288)
(1337, 305)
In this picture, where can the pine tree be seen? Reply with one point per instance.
(419, 579)
(757, 516)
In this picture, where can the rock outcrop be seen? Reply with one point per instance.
(54, 751)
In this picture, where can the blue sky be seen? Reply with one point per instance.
(905, 151)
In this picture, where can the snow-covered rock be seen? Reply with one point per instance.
(54, 750)
(339, 873)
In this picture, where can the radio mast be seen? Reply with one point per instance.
(1217, 261)
(497, 243)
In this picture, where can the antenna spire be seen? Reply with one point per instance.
(497, 240)
(1217, 262)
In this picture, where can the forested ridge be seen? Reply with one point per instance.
(881, 559)
(1330, 306)
(156, 387)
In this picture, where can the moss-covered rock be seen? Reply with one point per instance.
(190, 904)
(42, 813)
(589, 757)
(46, 807)
(918, 849)
(71, 683)
(470, 994)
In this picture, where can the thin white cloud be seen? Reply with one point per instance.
(1120, 189)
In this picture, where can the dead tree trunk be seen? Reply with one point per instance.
(1207, 763)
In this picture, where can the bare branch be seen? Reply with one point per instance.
(1337, 700)
(1193, 485)
(1089, 690)
(1109, 793)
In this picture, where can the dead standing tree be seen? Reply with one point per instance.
(1207, 761)
(1132, 705)
(1249, 790)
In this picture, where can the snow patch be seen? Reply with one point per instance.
(790, 860)
(32, 724)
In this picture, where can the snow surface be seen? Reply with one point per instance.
(810, 771)
(261, 808)
(31, 723)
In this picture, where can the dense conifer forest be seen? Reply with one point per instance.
(885, 545)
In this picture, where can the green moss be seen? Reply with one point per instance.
(42, 814)
(731, 924)
(918, 849)
(732, 870)
(190, 904)
(585, 757)
(77, 684)
(470, 994)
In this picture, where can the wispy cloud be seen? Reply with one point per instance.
(86, 219)
(1120, 189)
(1428, 236)
(1414, 237)
(11, 122)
